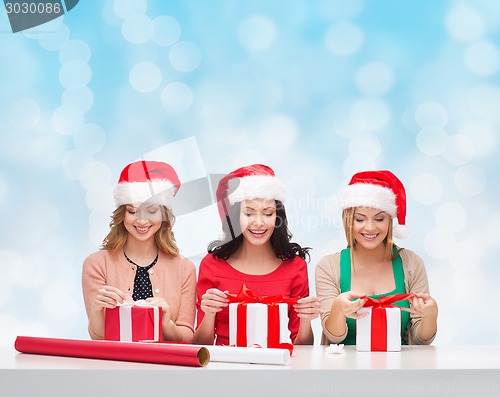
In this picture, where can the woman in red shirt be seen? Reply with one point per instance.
(256, 251)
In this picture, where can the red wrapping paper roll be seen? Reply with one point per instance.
(157, 353)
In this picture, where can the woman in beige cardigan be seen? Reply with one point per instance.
(139, 258)
(372, 265)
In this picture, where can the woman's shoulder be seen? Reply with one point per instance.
(212, 259)
(329, 260)
(409, 255)
(99, 256)
(410, 259)
(296, 262)
(99, 261)
(178, 260)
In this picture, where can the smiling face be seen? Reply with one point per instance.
(142, 222)
(258, 220)
(370, 227)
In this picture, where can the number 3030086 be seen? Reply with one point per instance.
(33, 8)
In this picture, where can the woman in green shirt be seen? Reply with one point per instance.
(372, 265)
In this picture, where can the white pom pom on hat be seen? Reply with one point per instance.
(143, 181)
(378, 189)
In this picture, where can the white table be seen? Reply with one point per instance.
(415, 371)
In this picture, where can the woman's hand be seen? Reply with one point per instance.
(213, 300)
(348, 307)
(423, 305)
(307, 308)
(165, 308)
(109, 297)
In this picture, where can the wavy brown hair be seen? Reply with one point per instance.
(348, 221)
(117, 236)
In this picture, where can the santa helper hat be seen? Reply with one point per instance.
(381, 190)
(143, 181)
(256, 181)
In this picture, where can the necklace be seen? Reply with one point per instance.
(148, 266)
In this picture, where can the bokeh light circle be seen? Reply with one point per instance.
(470, 180)
(375, 78)
(256, 32)
(432, 141)
(67, 119)
(483, 58)
(451, 217)
(137, 29)
(75, 50)
(426, 188)
(74, 74)
(439, 243)
(177, 97)
(185, 56)
(465, 24)
(81, 98)
(166, 30)
(145, 77)
(459, 150)
(127, 8)
(481, 137)
(344, 39)
(431, 114)
(371, 113)
(55, 40)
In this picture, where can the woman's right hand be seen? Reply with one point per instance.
(213, 300)
(349, 307)
(108, 297)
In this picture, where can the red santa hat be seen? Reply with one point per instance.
(381, 190)
(154, 182)
(255, 181)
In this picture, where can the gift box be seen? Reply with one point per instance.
(380, 330)
(259, 321)
(133, 321)
(258, 324)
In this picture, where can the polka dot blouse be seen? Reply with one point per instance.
(142, 283)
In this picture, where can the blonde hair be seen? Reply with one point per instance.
(117, 236)
(348, 221)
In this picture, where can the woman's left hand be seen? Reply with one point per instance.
(423, 305)
(165, 308)
(307, 308)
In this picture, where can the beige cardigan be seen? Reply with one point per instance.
(172, 278)
(328, 288)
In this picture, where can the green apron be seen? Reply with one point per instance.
(345, 285)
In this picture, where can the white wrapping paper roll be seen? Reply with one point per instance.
(249, 355)
(246, 355)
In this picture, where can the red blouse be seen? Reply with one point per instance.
(290, 280)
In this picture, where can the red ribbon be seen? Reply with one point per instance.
(246, 296)
(379, 318)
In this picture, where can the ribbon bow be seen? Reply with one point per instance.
(140, 302)
(386, 301)
(246, 295)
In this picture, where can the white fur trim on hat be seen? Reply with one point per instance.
(256, 187)
(155, 192)
(369, 195)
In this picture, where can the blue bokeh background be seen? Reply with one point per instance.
(318, 90)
